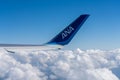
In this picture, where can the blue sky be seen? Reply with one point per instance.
(38, 21)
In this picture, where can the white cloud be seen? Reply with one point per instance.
(60, 65)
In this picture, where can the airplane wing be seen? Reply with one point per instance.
(63, 38)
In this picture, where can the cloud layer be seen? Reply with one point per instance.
(60, 65)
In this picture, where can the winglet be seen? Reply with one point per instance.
(65, 36)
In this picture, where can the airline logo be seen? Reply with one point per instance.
(67, 32)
